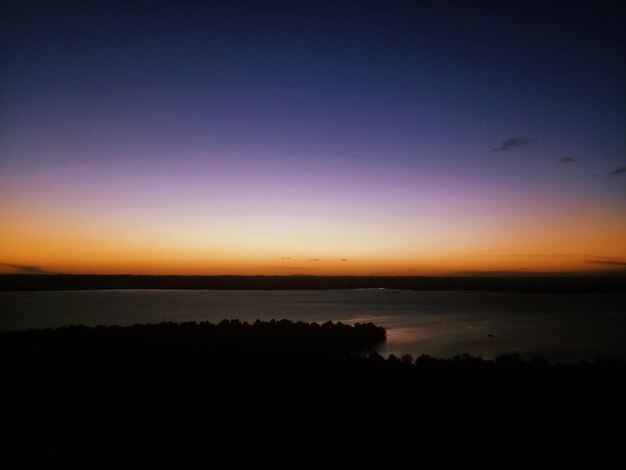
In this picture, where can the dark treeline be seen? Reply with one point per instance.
(181, 345)
(111, 395)
(539, 284)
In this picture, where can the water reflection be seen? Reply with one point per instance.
(442, 324)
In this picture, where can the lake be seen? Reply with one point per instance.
(563, 327)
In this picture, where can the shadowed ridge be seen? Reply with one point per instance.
(164, 392)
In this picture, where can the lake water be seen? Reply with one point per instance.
(442, 324)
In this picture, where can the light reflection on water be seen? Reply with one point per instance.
(442, 324)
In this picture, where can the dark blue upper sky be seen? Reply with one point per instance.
(321, 75)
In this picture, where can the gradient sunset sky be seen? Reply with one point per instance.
(426, 137)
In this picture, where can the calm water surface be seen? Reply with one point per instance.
(442, 324)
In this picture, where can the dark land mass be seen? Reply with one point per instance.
(173, 394)
(531, 284)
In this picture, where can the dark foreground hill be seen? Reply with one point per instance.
(110, 396)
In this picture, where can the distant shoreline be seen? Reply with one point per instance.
(521, 284)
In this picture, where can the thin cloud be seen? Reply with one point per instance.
(292, 268)
(618, 171)
(513, 143)
(608, 262)
(27, 269)
(315, 259)
(285, 257)
(568, 159)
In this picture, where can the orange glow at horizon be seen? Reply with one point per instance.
(300, 245)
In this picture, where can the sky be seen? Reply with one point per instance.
(387, 138)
